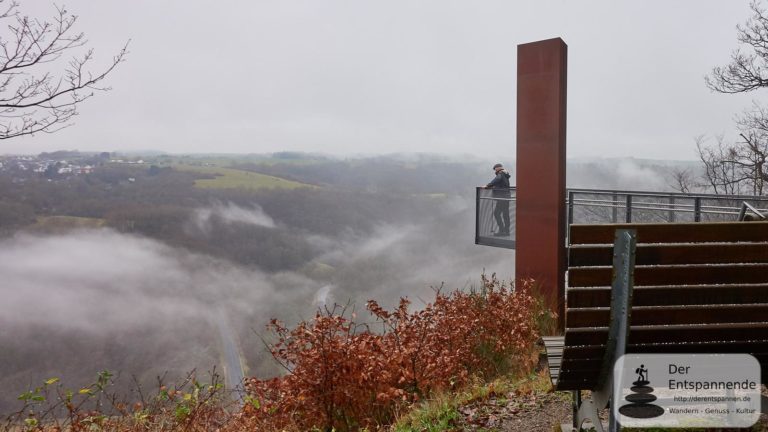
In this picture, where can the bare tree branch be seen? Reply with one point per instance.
(746, 71)
(682, 180)
(739, 167)
(37, 92)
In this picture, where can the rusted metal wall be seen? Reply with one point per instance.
(541, 118)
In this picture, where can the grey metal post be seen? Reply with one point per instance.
(615, 208)
(621, 307)
(618, 332)
(477, 215)
(576, 404)
(697, 209)
(569, 218)
(743, 211)
(629, 208)
(671, 209)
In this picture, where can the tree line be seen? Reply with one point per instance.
(161, 203)
(737, 166)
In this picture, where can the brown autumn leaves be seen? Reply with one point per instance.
(349, 375)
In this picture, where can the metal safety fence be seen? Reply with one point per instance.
(587, 206)
(610, 206)
(495, 217)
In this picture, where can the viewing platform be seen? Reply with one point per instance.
(594, 206)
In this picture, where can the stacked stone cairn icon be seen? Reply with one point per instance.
(640, 399)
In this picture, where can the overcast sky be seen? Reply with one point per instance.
(396, 76)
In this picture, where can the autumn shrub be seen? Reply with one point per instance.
(345, 375)
(342, 373)
(189, 406)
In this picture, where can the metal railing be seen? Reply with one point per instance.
(612, 206)
(747, 210)
(586, 206)
(490, 207)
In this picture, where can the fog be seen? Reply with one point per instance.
(85, 301)
(230, 213)
(82, 300)
(100, 281)
(88, 300)
(626, 173)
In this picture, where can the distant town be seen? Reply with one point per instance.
(58, 165)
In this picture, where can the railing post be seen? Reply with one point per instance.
(569, 218)
(671, 209)
(629, 208)
(477, 215)
(697, 209)
(615, 208)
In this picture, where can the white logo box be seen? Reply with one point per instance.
(687, 390)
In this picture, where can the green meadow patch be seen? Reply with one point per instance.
(234, 178)
(54, 223)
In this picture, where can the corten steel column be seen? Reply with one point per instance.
(540, 219)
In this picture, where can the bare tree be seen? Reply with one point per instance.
(739, 167)
(746, 71)
(682, 180)
(719, 175)
(40, 89)
(751, 151)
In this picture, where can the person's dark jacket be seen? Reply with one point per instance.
(500, 185)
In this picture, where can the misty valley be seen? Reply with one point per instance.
(156, 265)
(137, 267)
(378, 216)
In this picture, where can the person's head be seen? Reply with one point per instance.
(498, 167)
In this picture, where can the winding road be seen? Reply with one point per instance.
(233, 366)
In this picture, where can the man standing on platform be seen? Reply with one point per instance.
(502, 195)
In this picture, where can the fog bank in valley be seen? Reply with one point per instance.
(87, 300)
(84, 301)
(80, 301)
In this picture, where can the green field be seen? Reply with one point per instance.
(234, 178)
(52, 224)
(225, 160)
